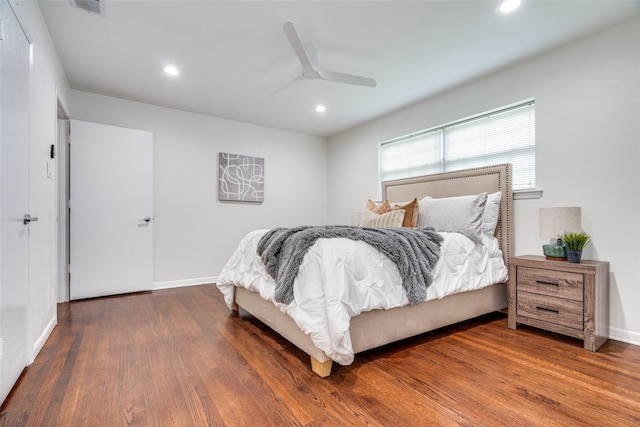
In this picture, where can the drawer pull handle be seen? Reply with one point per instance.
(550, 310)
(543, 282)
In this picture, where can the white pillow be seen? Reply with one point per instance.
(389, 219)
(491, 213)
(462, 214)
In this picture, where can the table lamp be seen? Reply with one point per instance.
(553, 223)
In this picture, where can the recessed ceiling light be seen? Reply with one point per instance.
(171, 70)
(508, 6)
(321, 109)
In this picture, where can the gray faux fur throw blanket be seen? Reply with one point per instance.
(414, 250)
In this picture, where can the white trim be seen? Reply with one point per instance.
(184, 282)
(42, 339)
(62, 205)
(624, 335)
(527, 194)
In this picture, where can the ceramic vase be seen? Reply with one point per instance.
(574, 256)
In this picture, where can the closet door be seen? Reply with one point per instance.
(14, 185)
(111, 216)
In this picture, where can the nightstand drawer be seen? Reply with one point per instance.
(555, 283)
(550, 309)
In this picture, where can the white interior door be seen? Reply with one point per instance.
(111, 216)
(14, 185)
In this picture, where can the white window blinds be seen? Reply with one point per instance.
(502, 136)
(419, 154)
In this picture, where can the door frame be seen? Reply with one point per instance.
(62, 201)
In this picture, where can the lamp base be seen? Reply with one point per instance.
(555, 252)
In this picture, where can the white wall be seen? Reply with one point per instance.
(48, 82)
(195, 233)
(587, 148)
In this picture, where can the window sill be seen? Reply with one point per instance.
(527, 194)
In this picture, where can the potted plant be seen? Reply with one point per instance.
(575, 242)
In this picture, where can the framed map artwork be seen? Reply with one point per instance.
(240, 178)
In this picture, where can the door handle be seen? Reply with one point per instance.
(28, 218)
(146, 219)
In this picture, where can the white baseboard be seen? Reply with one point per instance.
(624, 335)
(184, 282)
(42, 339)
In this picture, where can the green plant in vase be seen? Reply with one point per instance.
(575, 242)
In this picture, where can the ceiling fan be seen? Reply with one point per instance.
(311, 71)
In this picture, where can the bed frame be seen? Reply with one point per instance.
(379, 327)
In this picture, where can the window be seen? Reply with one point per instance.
(506, 135)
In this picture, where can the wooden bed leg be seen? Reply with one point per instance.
(323, 369)
(235, 310)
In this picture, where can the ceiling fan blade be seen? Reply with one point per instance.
(350, 79)
(286, 85)
(297, 45)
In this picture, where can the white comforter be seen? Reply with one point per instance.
(341, 278)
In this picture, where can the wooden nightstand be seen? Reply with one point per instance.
(570, 299)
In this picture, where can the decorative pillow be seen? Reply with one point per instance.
(389, 219)
(491, 213)
(383, 207)
(410, 213)
(462, 214)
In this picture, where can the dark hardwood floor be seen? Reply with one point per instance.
(178, 357)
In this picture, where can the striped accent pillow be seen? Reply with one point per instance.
(386, 220)
(383, 207)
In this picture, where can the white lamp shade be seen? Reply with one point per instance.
(556, 221)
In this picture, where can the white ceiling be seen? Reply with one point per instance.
(234, 54)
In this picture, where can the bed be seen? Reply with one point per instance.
(374, 328)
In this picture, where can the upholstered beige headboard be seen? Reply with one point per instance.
(462, 183)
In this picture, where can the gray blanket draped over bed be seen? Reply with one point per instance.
(414, 250)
